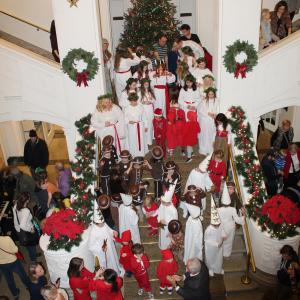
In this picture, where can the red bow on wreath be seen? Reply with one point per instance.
(82, 78)
(240, 69)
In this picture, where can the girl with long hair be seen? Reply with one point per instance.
(107, 285)
(208, 109)
(79, 279)
(130, 88)
(124, 60)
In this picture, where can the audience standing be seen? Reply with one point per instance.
(64, 178)
(283, 136)
(187, 35)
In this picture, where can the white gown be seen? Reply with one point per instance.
(160, 94)
(125, 73)
(128, 220)
(228, 218)
(148, 105)
(193, 239)
(214, 254)
(138, 115)
(207, 123)
(188, 98)
(116, 117)
(123, 101)
(199, 73)
(96, 239)
(166, 213)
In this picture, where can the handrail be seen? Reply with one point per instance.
(25, 21)
(247, 234)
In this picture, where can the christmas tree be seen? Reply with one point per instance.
(146, 19)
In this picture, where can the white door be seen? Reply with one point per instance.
(117, 20)
(186, 12)
(271, 120)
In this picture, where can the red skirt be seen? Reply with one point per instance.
(192, 129)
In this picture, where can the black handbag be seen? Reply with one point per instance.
(27, 238)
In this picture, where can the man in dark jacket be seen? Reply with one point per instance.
(35, 153)
(270, 172)
(195, 281)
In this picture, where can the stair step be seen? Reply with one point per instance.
(250, 295)
(238, 245)
(233, 284)
(235, 263)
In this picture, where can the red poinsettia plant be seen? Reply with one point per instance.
(281, 210)
(64, 229)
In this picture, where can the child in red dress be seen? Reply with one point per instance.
(175, 127)
(139, 266)
(217, 169)
(150, 209)
(166, 267)
(125, 251)
(160, 128)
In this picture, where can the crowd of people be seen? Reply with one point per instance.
(277, 24)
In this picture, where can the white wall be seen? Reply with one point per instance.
(35, 11)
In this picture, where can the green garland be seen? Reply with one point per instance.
(86, 74)
(232, 66)
(81, 186)
(247, 165)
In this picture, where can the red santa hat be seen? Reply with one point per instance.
(166, 254)
(158, 112)
(125, 237)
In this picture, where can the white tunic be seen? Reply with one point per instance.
(189, 98)
(213, 253)
(128, 220)
(125, 73)
(207, 135)
(193, 239)
(148, 103)
(160, 94)
(228, 218)
(136, 146)
(96, 239)
(199, 73)
(123, 101)
(117, 127)
(166, 214)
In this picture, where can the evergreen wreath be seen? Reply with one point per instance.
(240, 58)
(263, 211)
(80, 65)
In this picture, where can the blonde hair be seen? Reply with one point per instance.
(99, 105)
(286, 122)
(264, 12)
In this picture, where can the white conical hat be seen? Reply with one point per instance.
(98, 217)
(194, 210)
(167, 196)
(204, 163)
(214, 215)
(225, 195)
(127, 199)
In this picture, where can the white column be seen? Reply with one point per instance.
(79, 27)
(105, 21)
(238, 19)
(12, 139)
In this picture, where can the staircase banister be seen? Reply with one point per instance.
(38, 27)
(245, 227)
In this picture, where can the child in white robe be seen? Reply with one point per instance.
(229, 218)
(200, 70)
(108, 119)
(147, 100)
(136, 127)
(193, 239)
(159, 81)
(128, 218)
(166, 212)
(213, 240)
(208, 109)
(124, 60)
(101, 243)
(131, 87)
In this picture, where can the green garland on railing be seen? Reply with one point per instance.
(248, 166)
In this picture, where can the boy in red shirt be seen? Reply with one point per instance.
(166, 267)
(160, 129)
(125, 251)
(139, 266)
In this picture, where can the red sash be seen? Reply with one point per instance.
(122, 72)
(166, 88)
(117, 139)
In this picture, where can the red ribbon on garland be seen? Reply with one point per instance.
(240, 69)
(82, 78)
